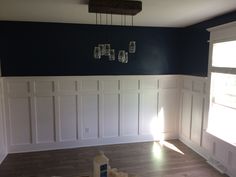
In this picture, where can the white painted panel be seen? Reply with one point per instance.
(1, 90)
(186, 114)
(111, 115)
(90, 85)
(110, 85)
(21, 87)
(130, 84)
(45, 118)
(168, 83)
(19, 109)
(207, 142)
(56, 113)
(188, 84)
(130, 114)
(149, 84)
(3, 148)
(67, 85)
(222, 152)
(196, 119)
(198, 86)
(232, 160)
(168, 109)
(44, 86)
(2, 140)
(90, 116)
(148, 114)
(68, 118)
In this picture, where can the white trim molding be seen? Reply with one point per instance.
(223, 33)
(62, 112)
(44, 113)
(194, 106)
(3, 144)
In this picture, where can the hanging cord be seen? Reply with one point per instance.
(106, 19)
(124, 20)
(111, 19)
(96, 18)
(132, 20)
(100, 18)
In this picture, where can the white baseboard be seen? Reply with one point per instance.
(209, 159)
(195, 147)
(217, 165)
(69, 112)
(2, 157)
(85, 143)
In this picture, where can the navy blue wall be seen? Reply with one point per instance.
(194, 54)
(52, 49)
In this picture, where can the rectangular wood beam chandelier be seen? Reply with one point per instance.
(119, 7)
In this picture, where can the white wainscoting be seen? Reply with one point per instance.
(62, 112)
(3, 145)
(193, 124)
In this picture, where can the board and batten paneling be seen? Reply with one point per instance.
(61, 112)
(3, 145)
(193, 126)
(68, 117)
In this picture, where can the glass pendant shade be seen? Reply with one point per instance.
(126, 57)
(132, 47)
(107, 49)
(102, 49)
(112, 55)
(121, 56)
(97, 53)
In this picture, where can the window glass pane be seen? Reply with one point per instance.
(224, 54)
(222, 117)
(223, 89)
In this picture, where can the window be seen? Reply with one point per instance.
(224, 54)
(222, 114)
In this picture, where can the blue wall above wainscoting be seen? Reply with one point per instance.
(52, 49)
(195, 46)
(60, 49)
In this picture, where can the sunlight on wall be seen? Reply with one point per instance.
(157, 126)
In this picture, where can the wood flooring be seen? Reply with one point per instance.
(149, 159)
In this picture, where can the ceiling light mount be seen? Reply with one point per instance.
(119, 7)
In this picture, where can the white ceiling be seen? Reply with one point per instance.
(164, 13)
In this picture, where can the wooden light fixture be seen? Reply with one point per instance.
(120, 7)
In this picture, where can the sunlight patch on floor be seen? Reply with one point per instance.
(157, 148)
(171, 146)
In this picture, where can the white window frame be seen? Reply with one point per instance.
(222, 33)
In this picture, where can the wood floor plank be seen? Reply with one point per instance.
(148, 159)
